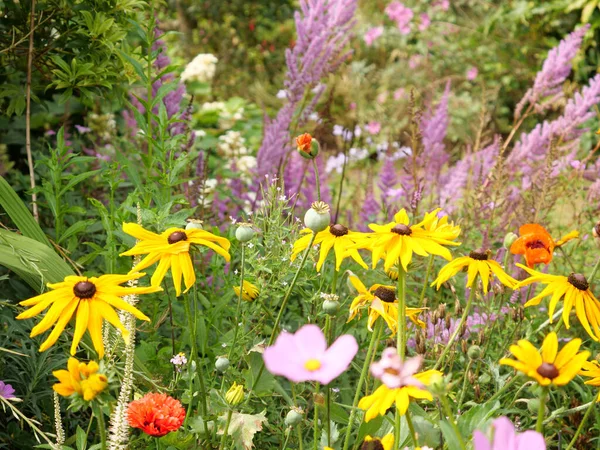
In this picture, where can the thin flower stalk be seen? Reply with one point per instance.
(239, 303)
(589, 410)
(401, 336)
(539, 425)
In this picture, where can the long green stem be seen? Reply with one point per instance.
(361, 380)
(464, 385)
(281, 309)
(450, 415)
(225, 430)
(401, 335)
(194, 357)
(539, 426)
(458, 329)
(327, 388)
(316, 419)
(317, 181)
(287, 438)
(239, 304)
(581, 424)
(97, 410)
(426, 282)
(397, 424)
(339, 199)
(594, 271)
(411, 428)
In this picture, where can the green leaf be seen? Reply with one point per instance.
(20, 215)
(137, 66)
(74, 229)
(476, 417)
(81, 438)
(449, 435)
(76, 180)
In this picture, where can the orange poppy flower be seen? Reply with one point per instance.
(156, 414)
(304, 142)
(536, 244)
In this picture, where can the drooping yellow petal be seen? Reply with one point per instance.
(60, 325)
(81, 323)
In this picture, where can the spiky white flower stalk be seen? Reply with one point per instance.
(60, 432)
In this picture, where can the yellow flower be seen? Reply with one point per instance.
(249, 291)
(172, 249)
(397, 241)
(575, 290)
(381, 301)
(385, 443)
(383, 398)
(337, 236)
(80, 378)
(591, 369)
(566, 238)
(548, 366)
(235, 394)
(477, 262)
(91, 300)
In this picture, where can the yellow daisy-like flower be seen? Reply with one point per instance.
(80, 378)
(336, 236)
(591, 369)
(548, 366)
(381, 301)
(383, 398)
(574, 289)
(375, 443)
(477, 262)
(172, 249)
(91, 300)
(397, 241)
(249, 291)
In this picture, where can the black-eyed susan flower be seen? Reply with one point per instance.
(91, 300)
(591, 369)
(375, 443)
(575, 290)
(381, 301)
(548, 365)
(249, 291)
(406, 385)
(478, 262)
(81, 379)
(536, 244)
(338, 237)
(172, 249)
(397, 240)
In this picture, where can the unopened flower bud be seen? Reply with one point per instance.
(222, 364)
(244, 232)
(509, 239)
(331, 307)
(294, 417)
(319, 399)
(533, 405)
(235, 394)
(318, 217)
(307, 146)
(438, 385)
(474, 352)
(194, 224)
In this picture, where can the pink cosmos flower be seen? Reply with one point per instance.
(373, 127)
(372, 35)
(506, 438)
(400, 14)
(399, 93)
(472, 73)
(395, 373)
(304, 356)
(425, 22)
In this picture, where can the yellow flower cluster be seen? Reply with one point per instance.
(81, 379)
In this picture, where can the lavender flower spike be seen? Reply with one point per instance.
(556, 69)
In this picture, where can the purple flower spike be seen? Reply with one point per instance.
(304, 356)
(6, 391)
(506, 438)
(395, 373)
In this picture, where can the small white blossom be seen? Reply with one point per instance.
(202, 68)
(282, 94)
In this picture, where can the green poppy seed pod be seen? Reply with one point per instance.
(293, 417)
(533, 405)
(474, 352)
(318, 217)
(331, 307)
(222, 364)
(509, 239)
(194, 224)
(244, 232)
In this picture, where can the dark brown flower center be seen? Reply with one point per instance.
(402, 230)
(338, 230)
(372, 445)
(84, 289)
(385, 295)
(535, 244)
(176, 237)
(479, 255)
(548, 370)
(579, 281)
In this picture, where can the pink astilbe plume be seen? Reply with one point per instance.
(304, 356)
(555, 70)
(434, 126)
(387, 181)
(506, 438)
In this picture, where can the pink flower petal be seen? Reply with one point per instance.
(480, 441)
(337, 359)
(530, 440)
(310, 342)
(504, 434)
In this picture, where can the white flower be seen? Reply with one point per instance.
(282, 198)
(357, 131)
(199, 133)
(246, 163)
(213, 106)
(402, 152)
(358, 154)
(250, 245)
(338, 130)
(282, 94)
(201, 68)
(314, 116)
(335, 163)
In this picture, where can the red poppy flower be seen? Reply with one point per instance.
(537, 245)
(156, 414)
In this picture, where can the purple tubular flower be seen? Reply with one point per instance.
(6, 390)
(395, 373)
(304, 356)
(555, 70)
(506, 438)
(387, 180)
(369, 212)
(323, 30)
